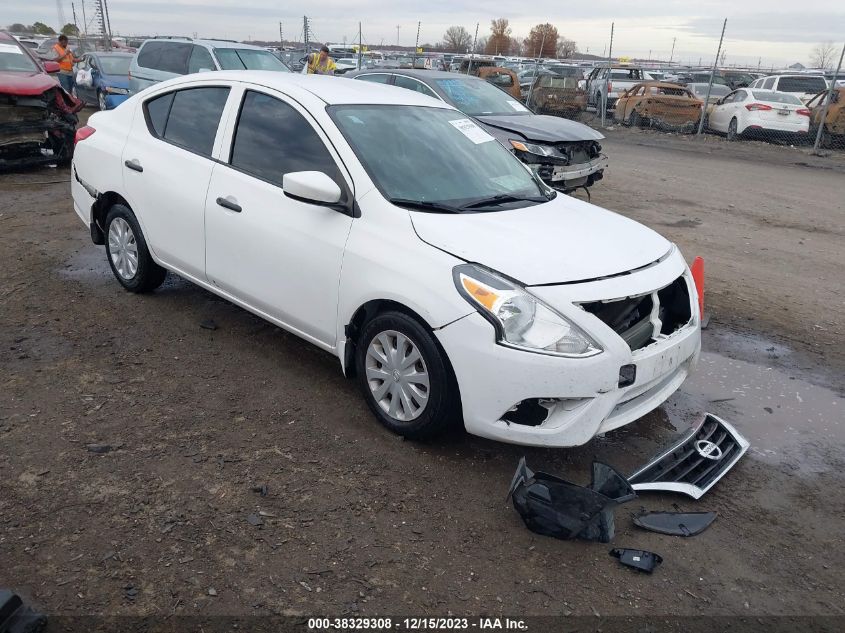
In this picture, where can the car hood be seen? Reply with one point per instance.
(115, 81)
(25, 84)
(561, 241)
(542, 128)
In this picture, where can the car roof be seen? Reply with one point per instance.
(211, 43)
(110, 54)
(422, 75)
(331, 90)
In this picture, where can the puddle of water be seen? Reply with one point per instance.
(87, 264)
(784, 417)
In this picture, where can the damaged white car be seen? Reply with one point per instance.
(387, 228)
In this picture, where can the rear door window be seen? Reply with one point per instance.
(171, 57)
(273, 139)
(188, 118)
(379, 78)
(769, 83)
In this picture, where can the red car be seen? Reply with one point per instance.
(37, 117)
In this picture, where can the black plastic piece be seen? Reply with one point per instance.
(16, 617)
(637, 558)
(627, 375)
(675, 523)
(554, 507)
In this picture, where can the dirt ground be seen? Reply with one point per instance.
(359, 522)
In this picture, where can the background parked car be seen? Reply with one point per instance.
(557, 94)
(761, 112)
(565, 154)
(109, 79)
(834, 122)
(717, 91)
(805, 87)
(656, 103)
(621, 78)
(162, 59)
(37, 118)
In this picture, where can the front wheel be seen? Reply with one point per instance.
(405, 376)
(127, 252)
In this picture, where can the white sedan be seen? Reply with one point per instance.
(387, 228)
(762, 113)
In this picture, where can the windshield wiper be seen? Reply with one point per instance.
(424, 205)
(502, 198)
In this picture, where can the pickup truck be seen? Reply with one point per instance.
(621, 79)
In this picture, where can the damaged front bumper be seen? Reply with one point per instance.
(540, 400)
(37, 130)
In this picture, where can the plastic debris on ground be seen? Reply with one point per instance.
(637, 558)
(675, 523)
(16, 616)
(554, 507)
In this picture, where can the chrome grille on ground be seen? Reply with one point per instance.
(696, 462)
(641, 320)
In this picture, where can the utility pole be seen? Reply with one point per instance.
(536, 67)
(398, 26)
(281, 37)
(672, 54)
(360, 46)
(603, 102)
(710, 83)
(472, 54)
(827, 101)
(416, 45)
(305, 34)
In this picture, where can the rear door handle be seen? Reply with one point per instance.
(229, 203)
(134, 165)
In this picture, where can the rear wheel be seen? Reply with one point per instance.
(101, 99)
(127, 252)
(733, 135)
(405, 376)
(634, 119)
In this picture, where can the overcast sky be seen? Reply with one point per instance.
(780, 31)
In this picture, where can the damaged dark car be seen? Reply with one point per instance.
(565, 154)
(38, 118)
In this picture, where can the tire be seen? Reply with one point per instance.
(634, 119)
(125, 246)
(733, 135)
(101, 100)
(431, 401)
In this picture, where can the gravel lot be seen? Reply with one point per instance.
(357, 521)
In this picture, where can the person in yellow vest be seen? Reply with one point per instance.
(66, 59)
(320, 63)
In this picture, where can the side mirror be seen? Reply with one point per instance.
(313, 187)
(52, 67)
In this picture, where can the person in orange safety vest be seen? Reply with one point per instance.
(320, 63)
(66, 59)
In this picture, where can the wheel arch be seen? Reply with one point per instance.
(99, 211)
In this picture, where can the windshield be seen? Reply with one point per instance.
(776, 97)
(248, 59)
(716, 90)
(477, 97)
(13, 58)
(802, 84)
(114, 65)
(434, 156)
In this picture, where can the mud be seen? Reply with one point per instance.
(188, 421)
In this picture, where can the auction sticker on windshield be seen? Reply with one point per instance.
(471, 131)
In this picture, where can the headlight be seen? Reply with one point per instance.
(117, 91)
(533, 148)
(520, 319)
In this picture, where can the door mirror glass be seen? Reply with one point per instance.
(311, 186)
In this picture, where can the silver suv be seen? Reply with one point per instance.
(164, 58)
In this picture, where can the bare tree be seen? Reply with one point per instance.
(566, 48)
(535, 40)
(457, 39)
(823, 55)
(499, 42)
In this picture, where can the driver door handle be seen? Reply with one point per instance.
(229, 203)
(134, 165)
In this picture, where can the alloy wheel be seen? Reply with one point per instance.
(123, 248)
(397, 376)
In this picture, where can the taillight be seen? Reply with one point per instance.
(751, 107)
(803, 112)
(609, 87)
(83, 133)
